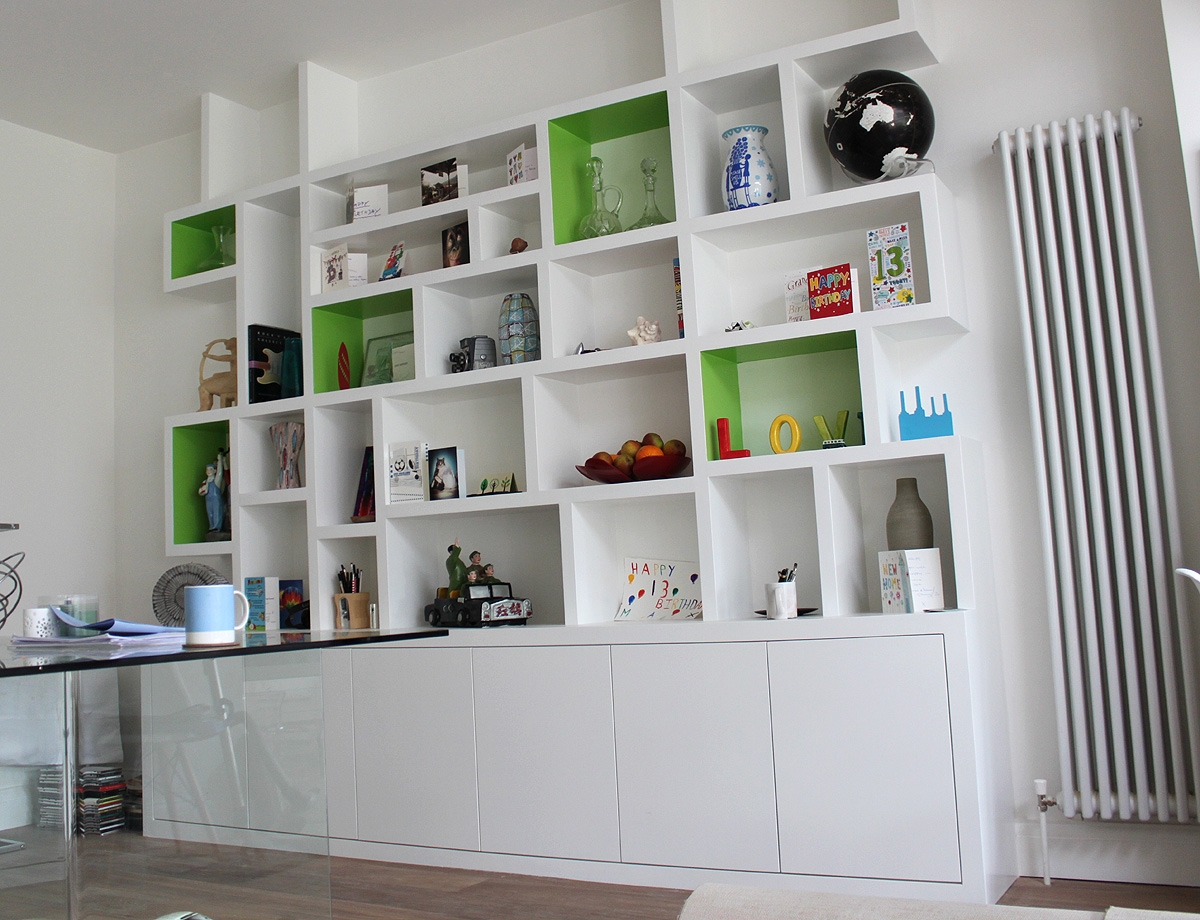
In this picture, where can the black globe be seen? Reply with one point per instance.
(879, 125)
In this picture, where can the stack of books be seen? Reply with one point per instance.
(50, 800)
(100, 799)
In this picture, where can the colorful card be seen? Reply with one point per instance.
(335, 273)
(660, 589)
(890, 258)
(830, 291)
(911, 580)
(263, 596)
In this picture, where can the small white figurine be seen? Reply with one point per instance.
(646, 331)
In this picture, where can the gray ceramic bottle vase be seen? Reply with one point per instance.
(909, 523)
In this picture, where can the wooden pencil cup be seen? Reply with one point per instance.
(352, 611)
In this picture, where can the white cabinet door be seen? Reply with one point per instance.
(414, 749)
(547, 771)
(197, 743)
(285, 743)
(694, 755)
(864, 769)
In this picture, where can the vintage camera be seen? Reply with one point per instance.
(478, 351)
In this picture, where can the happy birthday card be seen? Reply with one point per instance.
(660, 589)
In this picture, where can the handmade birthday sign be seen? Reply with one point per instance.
(660, 589)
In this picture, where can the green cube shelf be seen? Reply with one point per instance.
(192, 239)
(192, 448)
(753, 384)
(355, 323)
(621, 134)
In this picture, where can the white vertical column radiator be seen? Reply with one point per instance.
(1129, 725)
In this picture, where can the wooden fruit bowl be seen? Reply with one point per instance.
(664, 467)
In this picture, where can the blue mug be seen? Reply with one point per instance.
(209, 614)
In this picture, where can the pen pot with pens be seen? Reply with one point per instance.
(781, 595)
(352, 607)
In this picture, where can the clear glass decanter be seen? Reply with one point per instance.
(600, 221)
(651, 215)
(222, 250)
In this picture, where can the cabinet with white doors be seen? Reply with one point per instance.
(846, 758)
(661, 751)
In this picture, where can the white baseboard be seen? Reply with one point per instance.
(1151, 854)
(638, 874)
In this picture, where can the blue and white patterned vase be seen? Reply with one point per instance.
(750, 178)
(519, 337)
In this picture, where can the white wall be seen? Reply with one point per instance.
(57, 468)
(1004, 65)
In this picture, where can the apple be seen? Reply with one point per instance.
(675, 448)
(630, 447)
(654, 439)
(603, 455)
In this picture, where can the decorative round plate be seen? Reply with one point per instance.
(664, 467)
(168, 592)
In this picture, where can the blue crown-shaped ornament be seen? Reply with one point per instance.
(916, 424)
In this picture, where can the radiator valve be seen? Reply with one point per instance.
(1045, 802)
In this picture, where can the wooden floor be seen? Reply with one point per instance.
(127, 877)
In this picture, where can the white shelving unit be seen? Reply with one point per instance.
(561, 540)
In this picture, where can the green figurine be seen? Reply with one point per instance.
(455, 567)
(476, 566)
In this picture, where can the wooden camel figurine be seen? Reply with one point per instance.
(222, 385)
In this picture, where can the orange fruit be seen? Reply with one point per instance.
(647, 450)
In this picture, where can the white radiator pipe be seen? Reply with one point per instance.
(1029, 284)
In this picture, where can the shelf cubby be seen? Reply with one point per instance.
(341, 433)
(468, 306)
(487, 169)
(599, 295)
(700, 44)
(504, 219)
(193, 447)
(273, 540)
(740, 267)
(604, 533)
(524, 544)
(714, 106)
(421, 236)
(192, 239)
(753, 384)
(258, 465)
(762, 523)
(356, 322)
(601, 406)
(332, 554)
(486, 419)
(861, 492)
(622, 134)
(270, 240)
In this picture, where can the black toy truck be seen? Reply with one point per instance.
(479, 605)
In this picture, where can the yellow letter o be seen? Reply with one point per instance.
(776, 426)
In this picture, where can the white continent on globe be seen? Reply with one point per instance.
(875, 113)
(899, 162)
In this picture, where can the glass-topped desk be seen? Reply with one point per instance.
(232, 755)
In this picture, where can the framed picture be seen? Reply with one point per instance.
(456, 249)
(447, 467)
(377, 364)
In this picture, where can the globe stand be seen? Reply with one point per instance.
(911, 168)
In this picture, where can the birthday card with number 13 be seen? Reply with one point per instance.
(660, 589)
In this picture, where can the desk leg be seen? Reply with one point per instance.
(69, 772)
